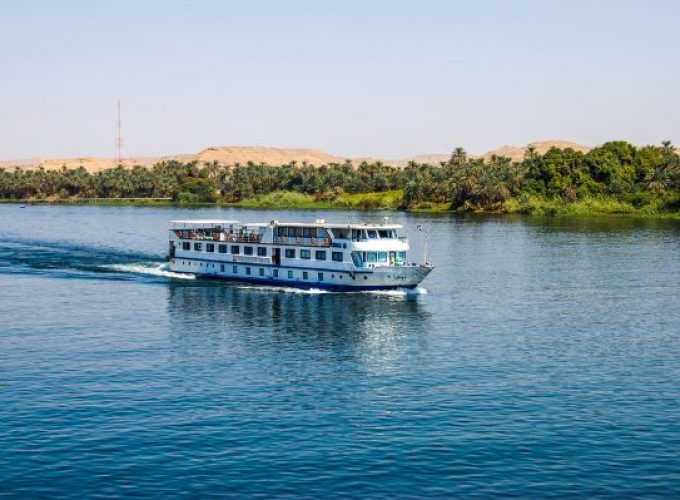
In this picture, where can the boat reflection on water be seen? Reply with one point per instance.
(226, 320)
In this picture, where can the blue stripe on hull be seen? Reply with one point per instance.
(301, 284)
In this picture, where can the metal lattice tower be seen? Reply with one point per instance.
(119, 140)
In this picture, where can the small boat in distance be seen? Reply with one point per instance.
(307, 255)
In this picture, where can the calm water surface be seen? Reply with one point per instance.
(542, 358)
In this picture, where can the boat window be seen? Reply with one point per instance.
(356, 259)
(221, 268)
(186, 245)
(234, 269)
(382, 256)
(262, 271)
(305, 254)
(276, 273)
(372, 234)
(290, 253)
(307, 232)
(384, 233)
(305, 275)
(337, 256)
(341, 233)
(290, 274)
(401, 257)
(291, 232)
(320, 255)
(247, 250)
(262, 251)
(371, 256)
(198, 247)
(222, 248)
(209, 247)
(320, 275)
(321, 232)
(298, 232)
(248, 271)
(235, 249)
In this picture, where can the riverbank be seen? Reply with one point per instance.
(668, 208)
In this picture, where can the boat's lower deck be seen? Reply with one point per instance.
(267, 274)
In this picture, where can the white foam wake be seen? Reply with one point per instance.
(160, 270)
(399, 292)
(284, 289)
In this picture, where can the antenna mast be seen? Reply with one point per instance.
(119, 140)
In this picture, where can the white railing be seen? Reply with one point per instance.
(247, 259)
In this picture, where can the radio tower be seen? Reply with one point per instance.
(119, 141)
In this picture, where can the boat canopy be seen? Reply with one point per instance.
(185, 224)
(366, 225)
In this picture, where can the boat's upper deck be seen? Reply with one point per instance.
(317, 233)
(319, 223)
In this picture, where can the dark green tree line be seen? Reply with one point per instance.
(636, 175)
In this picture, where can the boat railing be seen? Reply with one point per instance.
(302, 241)
(371, 265)
(188, 234)
(241, 238)
(403, 239)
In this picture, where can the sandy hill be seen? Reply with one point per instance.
(231, 155)
(517, 152)
(90, 163)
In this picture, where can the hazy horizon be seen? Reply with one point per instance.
(385, 79)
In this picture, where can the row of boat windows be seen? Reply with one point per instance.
(318, 254)
(383, 256)
(371, 234)
(235, 249)
(261, 272)
(337, 232)
(301, 232)
(290, 253)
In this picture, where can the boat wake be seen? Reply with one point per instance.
(72, 261)
(281, 289)
(149, 269)
(400, 292)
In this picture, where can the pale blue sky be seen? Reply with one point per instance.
(389, 79)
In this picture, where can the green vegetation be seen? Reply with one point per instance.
(388, 200)
(615, 178)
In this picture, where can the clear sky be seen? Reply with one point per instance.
(383, 78)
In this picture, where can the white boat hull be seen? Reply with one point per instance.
(268, 274)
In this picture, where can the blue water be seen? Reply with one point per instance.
(541, 358)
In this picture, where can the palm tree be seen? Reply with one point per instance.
(458, 157)
(667, 147)
(530, 152)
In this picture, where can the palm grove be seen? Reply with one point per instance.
(616, 176)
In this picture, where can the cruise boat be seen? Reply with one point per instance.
(306, 255)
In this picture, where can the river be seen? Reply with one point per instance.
(540, 358)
